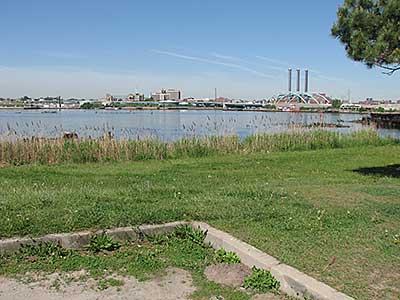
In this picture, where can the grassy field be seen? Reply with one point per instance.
(310, 209)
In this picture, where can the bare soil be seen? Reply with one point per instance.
(269, 297)
(227, 274)
(233, 275)
(176, 284)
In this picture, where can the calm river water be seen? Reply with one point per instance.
(166, 125)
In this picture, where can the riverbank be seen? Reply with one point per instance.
(150, 108)
(332, 213)
(386, 120)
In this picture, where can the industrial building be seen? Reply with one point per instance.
(300, 98)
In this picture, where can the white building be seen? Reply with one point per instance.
(135, 97)
(168, 94)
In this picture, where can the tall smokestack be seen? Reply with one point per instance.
(306, 81)
(290, 80)
(298, 81)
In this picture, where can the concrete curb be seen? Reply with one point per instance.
(293, 282)
(79, 240)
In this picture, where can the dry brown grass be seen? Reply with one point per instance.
(22, 151)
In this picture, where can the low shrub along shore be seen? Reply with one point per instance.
(83, 150)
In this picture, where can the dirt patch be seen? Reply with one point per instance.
(227, 274)
(269, 297)
(176, 284)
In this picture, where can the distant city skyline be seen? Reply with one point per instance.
(86, 49)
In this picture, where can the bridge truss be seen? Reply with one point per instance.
(293, 98)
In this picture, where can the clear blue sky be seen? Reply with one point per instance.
(87, 48)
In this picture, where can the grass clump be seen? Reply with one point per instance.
(228, 257)
(110, 282)
(102, 242)
(261, 281)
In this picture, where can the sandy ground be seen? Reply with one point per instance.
(269, 297)
(231, 275)
(175, 285)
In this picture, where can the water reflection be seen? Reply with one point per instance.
(165, 125)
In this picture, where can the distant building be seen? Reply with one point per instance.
(351, 106)
(110, 98)
(168, 94)
(222, 100)
(370, 101)
(135, 97)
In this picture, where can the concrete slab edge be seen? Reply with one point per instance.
(78, 240)
(293, 282)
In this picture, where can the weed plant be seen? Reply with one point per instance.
(102, 242)
(261, 281)
(228, 257)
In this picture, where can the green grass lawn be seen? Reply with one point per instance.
(305, 208)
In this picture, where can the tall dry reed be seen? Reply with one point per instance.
(61, 150)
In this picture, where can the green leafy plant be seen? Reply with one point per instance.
(261, 281)
(44, 250)
(223, 256)
(197, 236)
(102, 242)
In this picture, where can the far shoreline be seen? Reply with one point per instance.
(183, 108)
